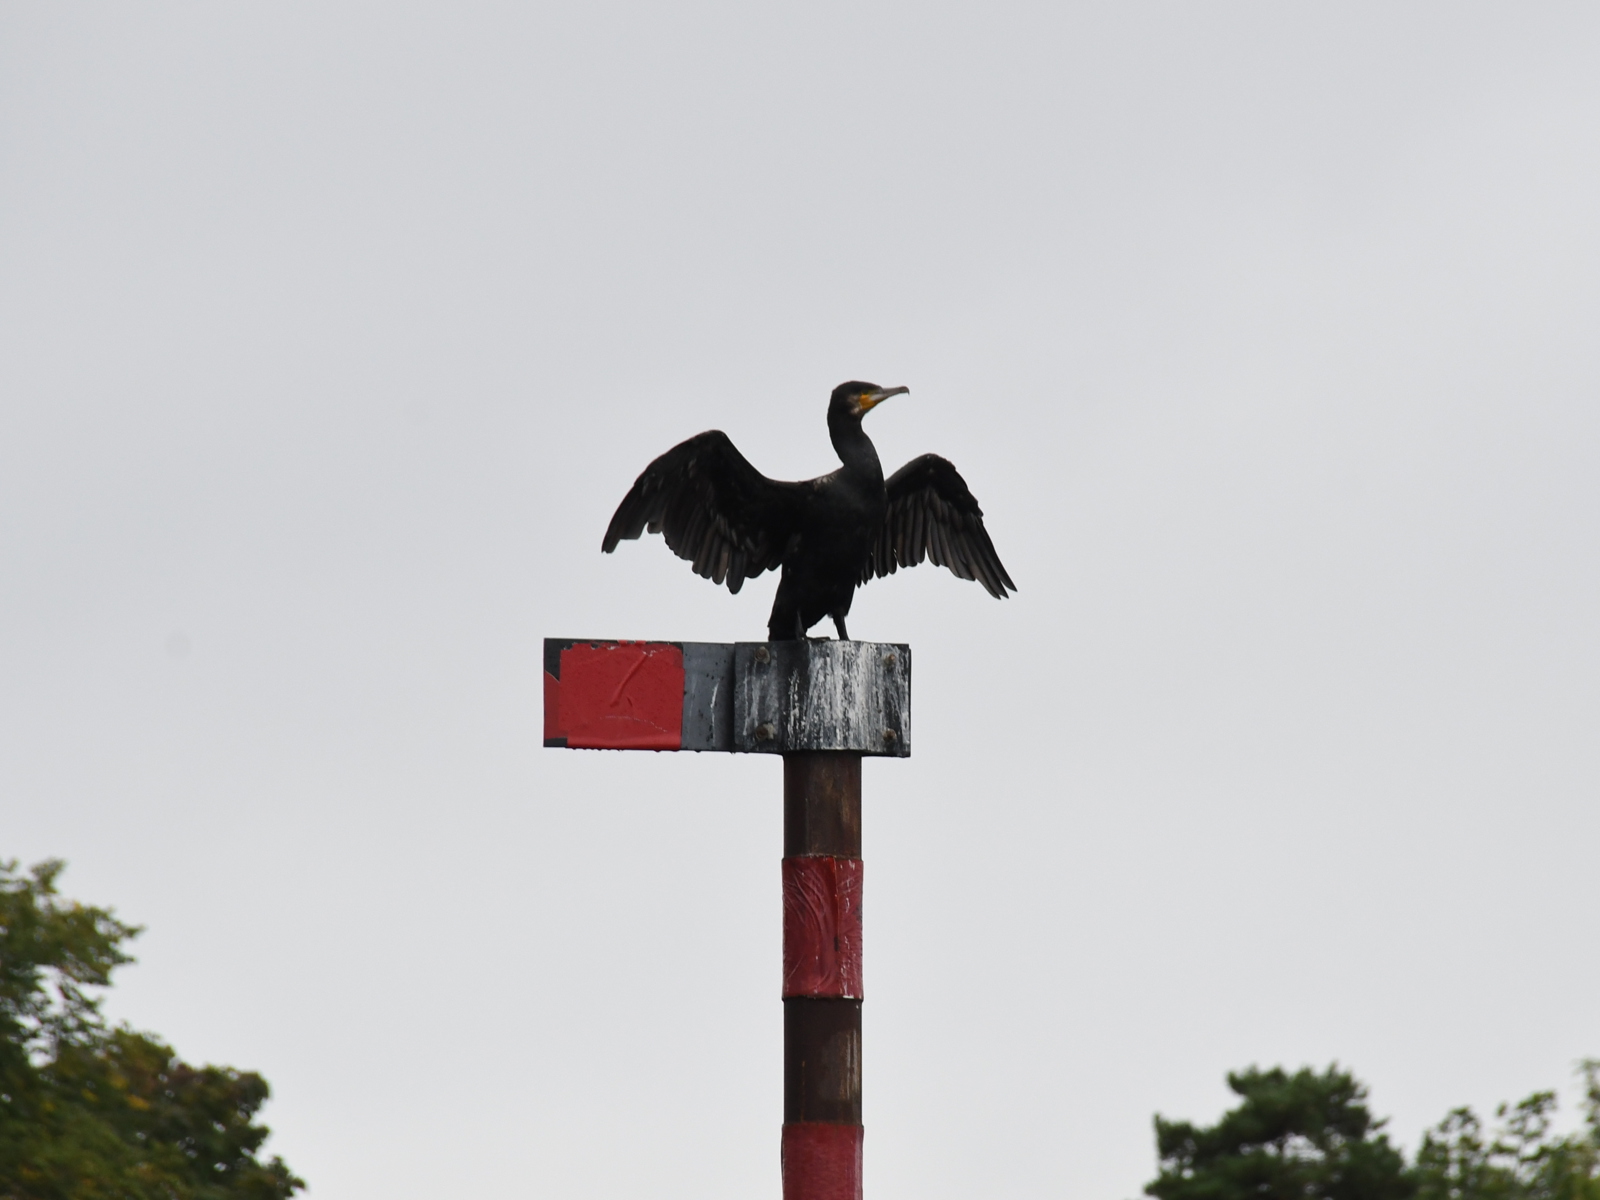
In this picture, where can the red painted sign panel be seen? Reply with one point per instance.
(616, 696)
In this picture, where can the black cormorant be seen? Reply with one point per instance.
(830, 535)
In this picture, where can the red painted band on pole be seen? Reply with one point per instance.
(618, 696)
(821, 1161)
(822, 927)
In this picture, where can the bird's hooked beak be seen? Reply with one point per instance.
(870, 400)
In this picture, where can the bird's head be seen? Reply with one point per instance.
(856, 399)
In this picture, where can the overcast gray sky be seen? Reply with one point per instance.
(331, 334)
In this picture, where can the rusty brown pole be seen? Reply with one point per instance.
(822, 1132)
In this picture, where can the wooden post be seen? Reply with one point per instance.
(822, 705)
(822, 993)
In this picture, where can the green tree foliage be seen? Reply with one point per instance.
(94, 1112)
(1306, 1136)
(1311, 1137)
(1522, 1160)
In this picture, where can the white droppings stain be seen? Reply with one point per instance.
(847, 700)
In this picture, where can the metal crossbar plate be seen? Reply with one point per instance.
(822, 696)
(750, 697)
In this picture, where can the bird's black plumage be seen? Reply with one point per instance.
(829, 535)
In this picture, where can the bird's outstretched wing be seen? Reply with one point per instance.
(933, 515)
(713, 508)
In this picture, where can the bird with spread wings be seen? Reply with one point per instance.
(828, 535)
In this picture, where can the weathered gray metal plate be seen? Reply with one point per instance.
(707, 696)
(822, 695)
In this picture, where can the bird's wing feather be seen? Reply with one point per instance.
(713, 508)
(932, 514)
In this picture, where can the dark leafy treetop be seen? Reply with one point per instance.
(1306, 1136)
(1521, 1159)
(1310, 1136)
(91, 1112)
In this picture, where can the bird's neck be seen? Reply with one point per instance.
(855, 449)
